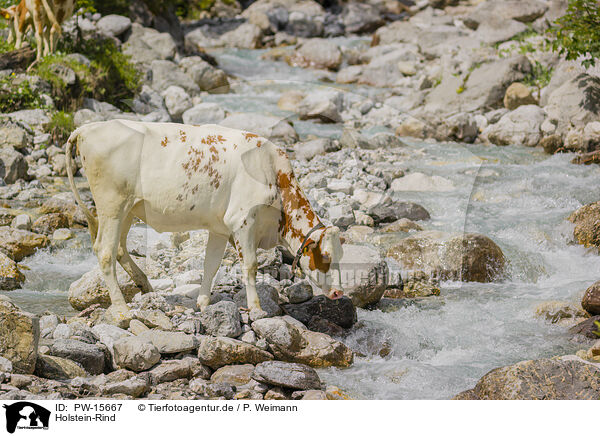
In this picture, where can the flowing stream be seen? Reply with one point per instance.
(517, 196)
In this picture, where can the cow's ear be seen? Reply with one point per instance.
(342, 240)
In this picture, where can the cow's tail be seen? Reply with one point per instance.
(91, 219)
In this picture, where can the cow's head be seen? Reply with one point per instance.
(320, 260)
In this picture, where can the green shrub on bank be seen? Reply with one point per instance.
(18, 94)
(61, 126)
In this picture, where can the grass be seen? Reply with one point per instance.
(597, 325)
(540, 76)
(61, 126)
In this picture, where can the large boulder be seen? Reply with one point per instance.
(204, 113)
(317, 53)
(48, 223)
(274, 128)
(58, 368)
(521, 127)
(217, 352)
(591, 299)
(517, 95)
(361, 17)
(90, 289)
(559, 378)
(113, 25)
(19, 337)
(587, 225)
(341, 311)
(468, 257)
(247, 36)
(586, 329)
(10, 275)
(167, 73)
(169, 342)
(294, 344)
(222, 319)
(13, 165)
(288, 375)
(574, 104)
(65, 204)
(524, 11)
(135, 353)
(364, 274)
(145, 45)
(18, 244)
(207, 77)
(89, 356)
(13, 136)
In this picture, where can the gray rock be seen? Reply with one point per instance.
(341, 215)
(57, 368)
(217, 352)
(134, 387)
(288, 375)
(497, 29)
(521, 126)
(177, 101)
(89, 356)
(204, 113)
(32, 117)
(10, 276)
(13, 165)
(145, 45)
(274, 128)
(235, 375)
(90, 289)
(113, 25)
(267, 295)
(387, 213)
(318, 53)
(135, 353)
(170, 342)
(19, 337)
(298, 292)
(309, 149)
(341, 311)
(166, 73)
(222, 319)
(212, 390)
(13, 136)
(170, 370)
(247, 36)
(207, 77)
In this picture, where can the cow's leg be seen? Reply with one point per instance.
(245, 242)
(123, 257)
(106, 246)
(38, 28)
(215, 248)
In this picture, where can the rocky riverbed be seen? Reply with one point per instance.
(426, 131)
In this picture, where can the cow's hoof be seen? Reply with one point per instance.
(255, 304)
(119, 315)
(202, 302)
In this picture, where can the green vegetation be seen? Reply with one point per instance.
(597, 325)
(61, 126)
(17, 93)
(540, 76)
(577, 33)
(183, 8)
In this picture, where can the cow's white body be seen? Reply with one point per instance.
(178, 177)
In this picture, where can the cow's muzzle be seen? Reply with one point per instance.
(334, 294)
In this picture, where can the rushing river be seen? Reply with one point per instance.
(517, 196)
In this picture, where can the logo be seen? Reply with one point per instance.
(26, 415)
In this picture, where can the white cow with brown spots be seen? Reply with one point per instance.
(176, 177)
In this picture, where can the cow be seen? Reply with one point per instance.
(175, 177)
(48, 16)
(21, 20)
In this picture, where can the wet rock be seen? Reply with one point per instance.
(591, 299)
(521, 126)
(291, 343)
(207, 77)
(13, 165)
(517, 95)
(386, 213)
(47, 224)
(341, 311)
(364, 274)
(217, 352)
(65, 204)
(89, 356)
(19, 337)
(222, 319)
(135, 353)
(288, 375)
(10, 275)
(274, 128)
(587, 225)
(559, 378)
(170, 342)
(267, 295)
(57, 368)
(587, 328)
(170, 370)
(18, 244)
(467, 257)
(204, 113)
(298, 292)
(317, 53)
(90, 289)
(145, 45)
(416, 285)
(234, 375)
(560, 312)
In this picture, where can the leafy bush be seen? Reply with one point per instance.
(577, 33)
(17, 94)
(597, 325)
(61, 126)
(109, 77)
(540, 75)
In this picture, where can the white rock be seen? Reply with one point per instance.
(420, 182)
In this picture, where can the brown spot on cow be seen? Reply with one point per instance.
(315, 256)
(182, 136)
(293, 202)
(249, 136)
(258, 143)
(164, 142)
